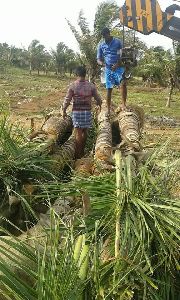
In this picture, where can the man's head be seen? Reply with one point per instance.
(80, 71)
(106, 34)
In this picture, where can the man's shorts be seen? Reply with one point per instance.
(114, 77)
(82, 119)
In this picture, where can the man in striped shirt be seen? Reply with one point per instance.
(109, 55)
(80, 93)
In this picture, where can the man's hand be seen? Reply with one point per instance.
(64, 115)
(101, 63)
(114, 67)
(117, 65)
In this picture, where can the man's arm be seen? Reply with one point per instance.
(67, 101)
(96, 96)
(100, 59)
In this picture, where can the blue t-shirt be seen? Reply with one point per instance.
(110, 52)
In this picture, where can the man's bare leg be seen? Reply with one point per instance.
(81, 137)
(84, 138)
(79, 142)
(108, 100)
(123, 88)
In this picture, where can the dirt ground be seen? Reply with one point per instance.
(21, 112)
(154, 136)
(156, 129)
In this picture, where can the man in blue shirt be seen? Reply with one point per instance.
(109, 55)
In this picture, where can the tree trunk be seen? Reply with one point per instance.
(46, 69)
(35, 236)
(54, 132)
(172, 83)
(57, 127)
(30, 68)
(103, 147)
(130, 124)
(64, 155)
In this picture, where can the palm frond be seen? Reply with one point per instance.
(106, 14)
(82, 22)
(147, 261)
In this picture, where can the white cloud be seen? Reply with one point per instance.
(24, 20)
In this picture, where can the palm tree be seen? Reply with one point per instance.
(63, 58)
(107, 13)
(36, 55)
(4, 51)
(176, 47)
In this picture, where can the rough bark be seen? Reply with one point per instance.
(57, 127)
(172, 84)
(103, 147)
(130, 123)
(48, 144)
(35, 236)
(55, 131)
(63, 155)
(84, 166)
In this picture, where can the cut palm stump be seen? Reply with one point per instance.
(84, 166)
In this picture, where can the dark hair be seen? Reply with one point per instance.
(80, 71)
(105, 31)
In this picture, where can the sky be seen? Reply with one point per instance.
(21, 21)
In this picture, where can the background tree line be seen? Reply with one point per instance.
(155, 64)
(37, 58)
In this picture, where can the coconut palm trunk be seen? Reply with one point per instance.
(172, 85)
(65, 155)
(55, 131)
(58, 157)
(56, 127)
(103, 147)
(130, 124)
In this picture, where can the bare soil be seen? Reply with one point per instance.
(37, 108)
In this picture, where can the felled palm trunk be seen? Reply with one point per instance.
(130, 123)
(60, 157)
(103, 147)
(84, 166)
(63, 155)
(54, 130)
(56, 127)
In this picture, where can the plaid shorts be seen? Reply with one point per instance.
(82, 119)
(113, 77)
